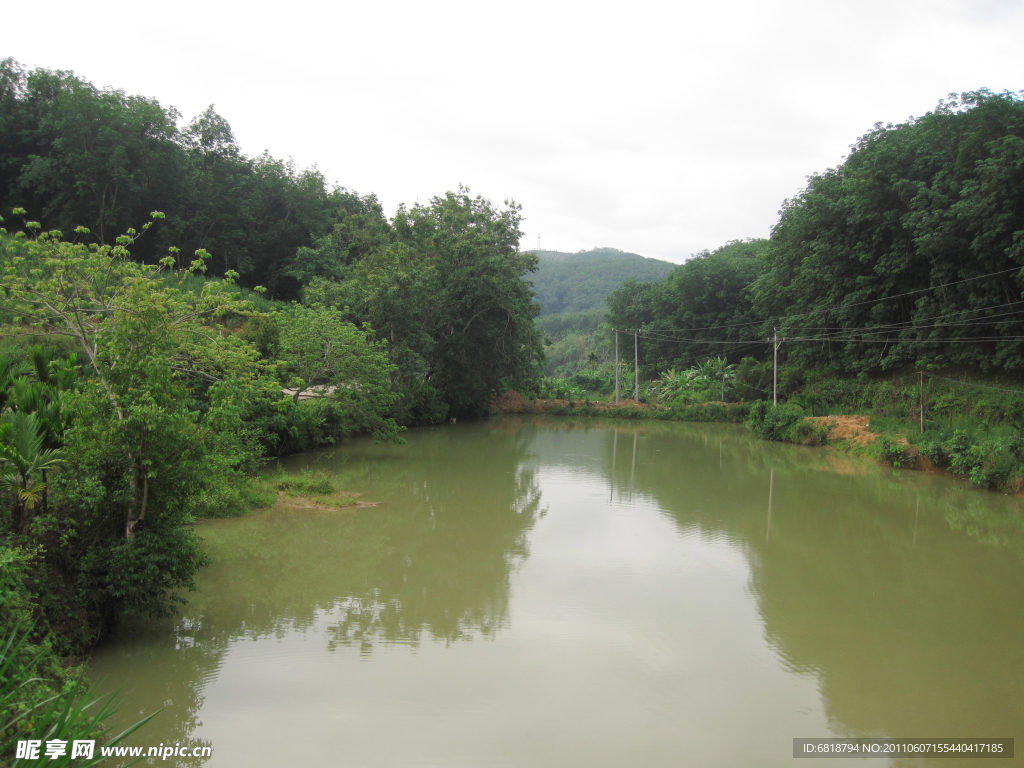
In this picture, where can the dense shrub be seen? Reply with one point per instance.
(774, 422)
(894, 453)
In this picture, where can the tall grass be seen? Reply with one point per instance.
(30, 708)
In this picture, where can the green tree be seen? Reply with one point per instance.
(481, 311)
(911, 249)
(97, 156)
(336, 361)
(446, 288)
(77, 155)
(360, 230)
(24, 461)
(699, 310)
(157, 430)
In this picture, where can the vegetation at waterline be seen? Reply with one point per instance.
(312, 488)
(971, 428)
(41, 702)
(169, 390)
(157, 396)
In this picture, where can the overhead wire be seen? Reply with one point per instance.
(840, 306)
(838, 333)
(978, 386)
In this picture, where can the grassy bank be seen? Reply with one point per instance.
(989, 456)
(317, 490)
(973, 427)
(513, 402)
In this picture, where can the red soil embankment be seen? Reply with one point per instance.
(854, 428)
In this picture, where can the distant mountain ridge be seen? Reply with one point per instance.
(577, 282)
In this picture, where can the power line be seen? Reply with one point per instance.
(979, 386)
(906, 341)
(753, 342)
(910, 323)
(841, 306)
(842, 334)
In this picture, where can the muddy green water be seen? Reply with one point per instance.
(562, 593)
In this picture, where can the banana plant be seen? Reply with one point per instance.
(670, 384)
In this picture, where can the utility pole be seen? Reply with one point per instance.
(775, 377)
(616, 364)
(922, 401)
(636, 366)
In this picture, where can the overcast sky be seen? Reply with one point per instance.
(657, 128)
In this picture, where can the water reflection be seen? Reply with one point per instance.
(900, 595)
(432, 561)
(903, 592)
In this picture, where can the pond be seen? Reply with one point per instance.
(558, 592)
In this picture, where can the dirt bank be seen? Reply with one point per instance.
(855, 429)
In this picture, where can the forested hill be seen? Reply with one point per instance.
(576, 282)
(909, 254)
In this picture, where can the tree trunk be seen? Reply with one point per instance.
(133, 483)
(136, 517)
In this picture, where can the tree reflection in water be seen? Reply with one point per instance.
(432, 561)
(900, 591)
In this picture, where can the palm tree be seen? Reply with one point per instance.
(24, 461)
(41, 398)
(722, 371)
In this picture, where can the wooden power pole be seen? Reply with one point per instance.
(775, 375)
(616, 364)
(922, 402)
(636, 366)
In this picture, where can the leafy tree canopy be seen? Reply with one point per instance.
(77, 155)
(448, 292)
(698, 311)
